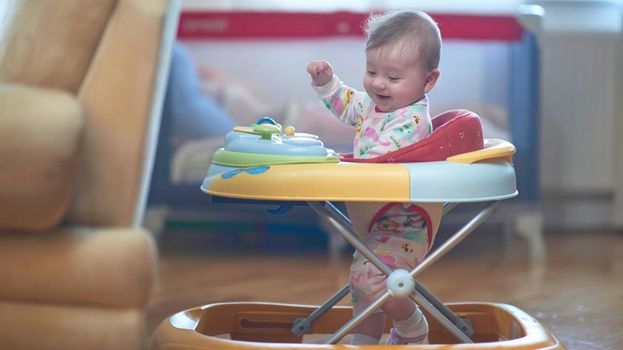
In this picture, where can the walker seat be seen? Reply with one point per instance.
(454, 132)
(454, 164)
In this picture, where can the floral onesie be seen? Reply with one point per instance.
(377, 132)
(400, 234)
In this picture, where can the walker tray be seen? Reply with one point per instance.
(267, 165)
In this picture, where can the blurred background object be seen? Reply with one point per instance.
(580, 114)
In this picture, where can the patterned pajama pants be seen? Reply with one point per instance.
(401, 236)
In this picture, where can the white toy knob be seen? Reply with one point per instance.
(400, 284)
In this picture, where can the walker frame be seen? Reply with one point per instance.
(487, 176)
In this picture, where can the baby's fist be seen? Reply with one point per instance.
(320, 72)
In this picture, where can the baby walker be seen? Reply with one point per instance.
(267, 162)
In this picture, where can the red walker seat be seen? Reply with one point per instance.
(454, 132)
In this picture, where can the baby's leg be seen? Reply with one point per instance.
(401, 237)
(399, 309)
(410, 243)
(367, 283)
(370, 330)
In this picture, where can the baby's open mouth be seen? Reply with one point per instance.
(382, 97)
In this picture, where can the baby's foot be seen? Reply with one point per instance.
(395, 339)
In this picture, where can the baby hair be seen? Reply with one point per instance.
(409, 25)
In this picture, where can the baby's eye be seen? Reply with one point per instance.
(372, 73)
(394, 79)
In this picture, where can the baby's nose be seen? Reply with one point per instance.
(379, 84)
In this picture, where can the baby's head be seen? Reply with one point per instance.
(402, 58)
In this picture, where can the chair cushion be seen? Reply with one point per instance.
(51, 43)
(454, 132)
(29, 326)
(40, 131)
(107, 267)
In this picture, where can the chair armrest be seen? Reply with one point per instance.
(40, 132)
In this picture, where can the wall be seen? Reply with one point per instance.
(617, 213)
(578, 109)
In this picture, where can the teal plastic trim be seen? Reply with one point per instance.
(441, 182)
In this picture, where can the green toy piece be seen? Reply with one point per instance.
(266, 130)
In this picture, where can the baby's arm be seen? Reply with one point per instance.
(344, 102)
(400, 132)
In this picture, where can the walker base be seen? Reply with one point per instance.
(267, 326)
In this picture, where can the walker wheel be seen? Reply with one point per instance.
(400, 284)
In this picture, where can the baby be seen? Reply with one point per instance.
(402, 58)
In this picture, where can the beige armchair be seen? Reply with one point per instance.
(81, 87)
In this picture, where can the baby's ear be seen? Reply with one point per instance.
(431, 80)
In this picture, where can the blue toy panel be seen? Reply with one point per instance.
(298, 145)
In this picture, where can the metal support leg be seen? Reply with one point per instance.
(460, 328)
(447, 207)
(304, 324)
(456, 238)
(464, 325)
(334, 217)
(441, 251)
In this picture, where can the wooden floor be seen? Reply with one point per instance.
(577, 292)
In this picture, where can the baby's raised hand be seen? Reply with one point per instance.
(320, 72)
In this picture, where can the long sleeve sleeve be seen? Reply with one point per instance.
(346, 103)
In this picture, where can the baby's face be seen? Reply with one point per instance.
(395, 76)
